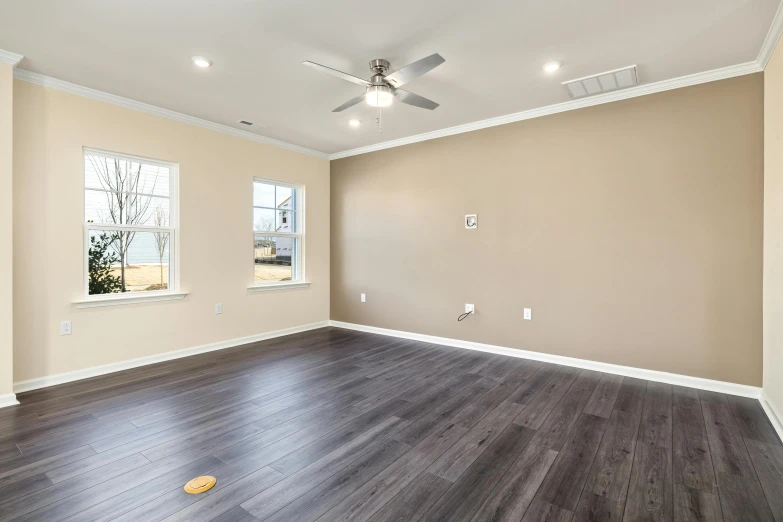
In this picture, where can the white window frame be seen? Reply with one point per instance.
(298, 279)
(173, 229)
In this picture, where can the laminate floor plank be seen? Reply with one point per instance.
(604, 396)
(694, 505)
(536, 412)
(510, 499)
(288, 490)
(12, 506)
(630, 398)
(611, 469)
(656, 425)
(336, 425)
(767, 459)
(650, 492)
(540, 511)
(410, 504)
(323, 497)
(729, 453)
(464, 497)
(691, 455)
(742, 500)
(375, 493)
(554, 431)
(461, 455)
(751, 420)
(565, 481)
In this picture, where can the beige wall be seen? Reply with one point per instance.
(633, 230)
(6, 229)
(216, 175)
(773, 229)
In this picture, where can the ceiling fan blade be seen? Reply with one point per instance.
(414, 70)
(350, 103)
(339, 74)
(415, 100)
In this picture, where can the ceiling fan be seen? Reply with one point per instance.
(381, 89)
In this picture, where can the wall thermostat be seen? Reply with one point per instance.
(471, 221)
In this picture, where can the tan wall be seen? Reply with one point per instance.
(633, 230)
(6, 228)
(773, 228)
(216, 175)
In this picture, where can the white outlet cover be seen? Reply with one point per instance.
(471, 221)
(528, 314)
(65, 328)
(219, 308)
(470, 308)
(364, 298)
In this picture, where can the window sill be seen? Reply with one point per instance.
(278, 286)
(123, 299)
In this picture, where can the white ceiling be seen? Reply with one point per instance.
(494, 50)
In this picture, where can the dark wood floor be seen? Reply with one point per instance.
(336, 425)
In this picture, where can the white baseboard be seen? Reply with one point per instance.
(773, 413)
(627, 371)
(9, 399)
(62, 378)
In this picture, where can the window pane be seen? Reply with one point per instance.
(263, 220)
(125, 176)
(275, 258)
(128, 261)
(283, 198)
(125, 209)
(285, 222)
(263, 195)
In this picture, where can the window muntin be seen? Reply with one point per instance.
(277, 232)
(130, 211)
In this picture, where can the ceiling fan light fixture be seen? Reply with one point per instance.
(379, 95)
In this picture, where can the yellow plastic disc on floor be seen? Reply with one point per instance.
(200, 484)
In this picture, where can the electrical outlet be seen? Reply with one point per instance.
(65, 327)
(469, 308)
(364, 299)
(528, 314)
(218, 308)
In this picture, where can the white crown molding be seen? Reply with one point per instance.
(609, 97)
(60, 85)
(627, 371)
(9, 57)
(771, 41)
(62, 378)
(9, 399)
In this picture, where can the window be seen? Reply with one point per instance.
(130, 211)
(278, 240)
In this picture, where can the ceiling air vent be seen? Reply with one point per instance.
(602, 82)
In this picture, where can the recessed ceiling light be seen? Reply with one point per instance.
(354, 123)
(201, 61)
(551, 66)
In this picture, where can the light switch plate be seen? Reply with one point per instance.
(528, 314)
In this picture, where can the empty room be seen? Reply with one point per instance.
(299, 261)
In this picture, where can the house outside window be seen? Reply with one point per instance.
(278, 232)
